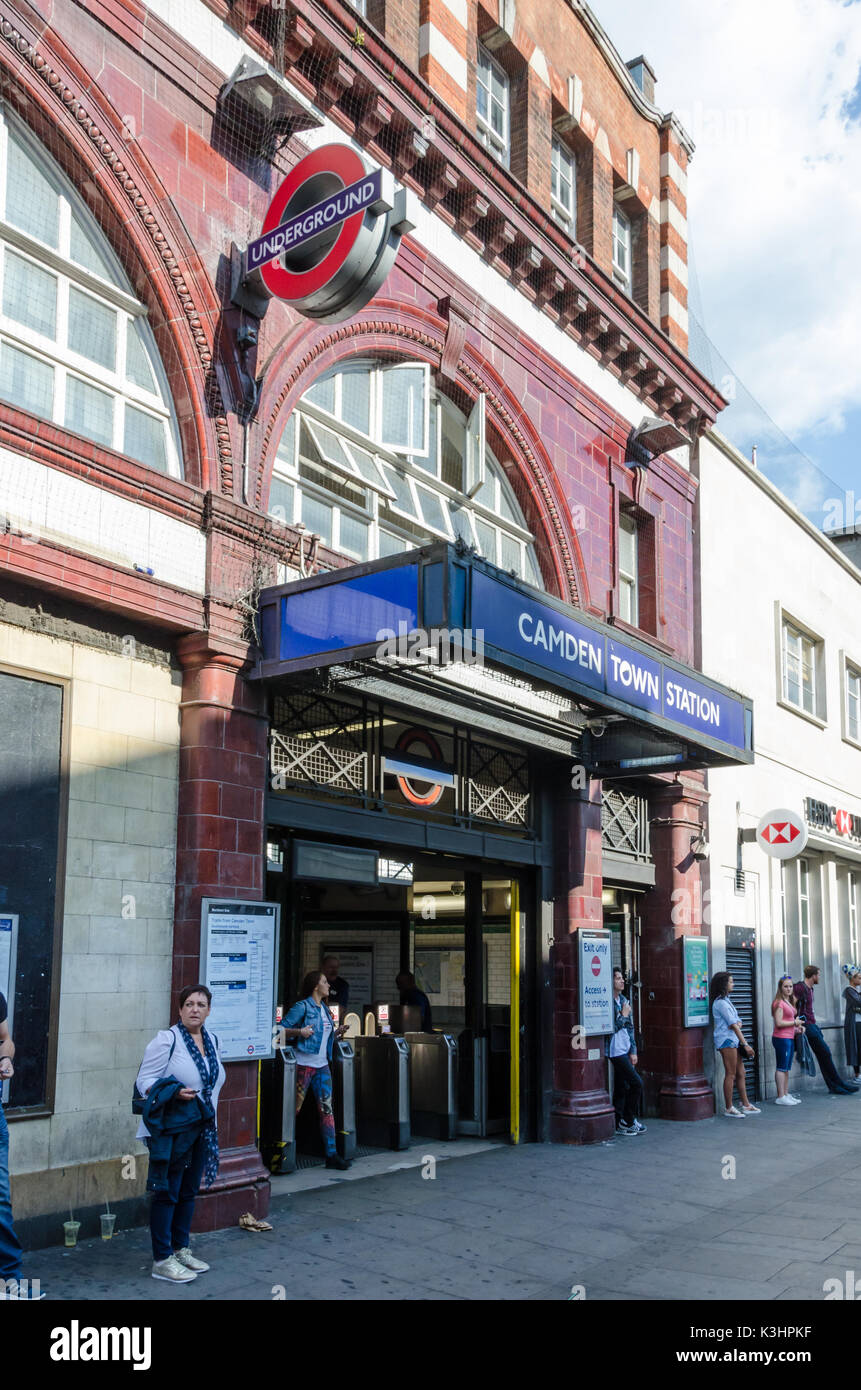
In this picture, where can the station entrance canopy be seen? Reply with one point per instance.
(438, 628)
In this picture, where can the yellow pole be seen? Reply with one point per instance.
(514, 996)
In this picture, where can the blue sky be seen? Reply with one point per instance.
(770, 91)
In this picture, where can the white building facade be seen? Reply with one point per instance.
(781, 614)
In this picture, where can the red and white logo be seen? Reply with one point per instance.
(782, 834)
(596, 966)
(843, 822)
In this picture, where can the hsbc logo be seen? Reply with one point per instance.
(821, 816)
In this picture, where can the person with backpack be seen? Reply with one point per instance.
(310, 1023)
(176, 1095)
(728, 1041)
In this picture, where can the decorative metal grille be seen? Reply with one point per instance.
(625, 823)
(498, 785)
(318, 742)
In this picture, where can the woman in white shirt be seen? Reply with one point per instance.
(188, 1053)
(729, 1041)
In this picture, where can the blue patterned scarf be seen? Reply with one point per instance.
(208, 1069)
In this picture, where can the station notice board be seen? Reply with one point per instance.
(239, 957)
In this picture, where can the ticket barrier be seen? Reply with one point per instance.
(433, 1085)
(278, 1111)
(383, 1091)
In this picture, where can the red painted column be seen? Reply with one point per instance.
(581, 1110)
(220, 855)
(671, 1062)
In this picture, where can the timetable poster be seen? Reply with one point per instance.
(239, 951)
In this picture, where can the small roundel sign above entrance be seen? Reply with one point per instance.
(782, 834)
(330, 235)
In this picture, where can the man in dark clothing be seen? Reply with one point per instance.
(10, 1247)
(339, 990)
(803, 992)
(411, 994)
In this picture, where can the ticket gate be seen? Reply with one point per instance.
(433, 1085)
(278, 1111)
(383, 1091)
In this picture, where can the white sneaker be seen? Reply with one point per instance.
(795, 1100)
(784, 1100)
(188, 1260)
(733, 1114)
(750, 1110)
(172, 1271)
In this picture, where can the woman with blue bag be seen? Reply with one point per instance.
(176, 1095)
(312, 1026)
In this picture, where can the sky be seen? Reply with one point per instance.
(770, 92)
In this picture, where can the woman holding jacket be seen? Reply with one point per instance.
(312, 1026)
(180, 1078)
(852, 1017)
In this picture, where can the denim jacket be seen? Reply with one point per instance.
(620, 1022)
(303, 1013)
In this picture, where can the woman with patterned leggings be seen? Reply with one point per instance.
(312, 1026)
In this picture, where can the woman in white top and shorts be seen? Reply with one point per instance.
(729, 1041)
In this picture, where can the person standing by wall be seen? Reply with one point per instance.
(786, 1025)
(852, 1017)
(622, 1051)
(729, 1041)
(803, 991)
(339, 990)
(10, 1246)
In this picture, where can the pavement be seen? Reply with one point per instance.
(762, 1209)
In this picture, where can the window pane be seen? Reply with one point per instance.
(89, 411)
(356, 398)
(403, 499)
(32, 202)
(30, 295)
(84, 250)
(391, 545)
(433, 510)
(144, 439)
(138, 367)
(317, 516)
(281, 500)
(627, 545)
(329, 446)
(354, 536)
(322, 393)
(25, 381)
(510, 555)
(486, 540)
(92, 329)
(462, 523)
(287, 445)
(403, 407)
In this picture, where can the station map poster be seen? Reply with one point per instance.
(239, 954)
(8, 954)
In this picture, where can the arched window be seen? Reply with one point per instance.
(75, 346)
(375, 460)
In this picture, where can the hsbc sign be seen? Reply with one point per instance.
(330, 235)
(832, 819)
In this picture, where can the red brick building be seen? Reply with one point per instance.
(163, 466)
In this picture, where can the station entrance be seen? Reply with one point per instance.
(433, 956)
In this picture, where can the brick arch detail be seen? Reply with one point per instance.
(320, 348)
(135, 202)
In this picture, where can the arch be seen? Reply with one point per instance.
(390, 329)
(87, 137)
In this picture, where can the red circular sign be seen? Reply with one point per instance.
(425, 740)
(346, 166)
(596, 966)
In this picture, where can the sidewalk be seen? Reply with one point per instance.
(642, 1218)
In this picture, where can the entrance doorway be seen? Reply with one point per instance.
(456, 925)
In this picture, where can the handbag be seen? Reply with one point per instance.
(139, 1101)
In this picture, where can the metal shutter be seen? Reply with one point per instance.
(740, 965)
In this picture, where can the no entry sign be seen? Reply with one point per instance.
(782, 834)
(330, 235)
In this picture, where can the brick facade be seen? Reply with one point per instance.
(130, 110)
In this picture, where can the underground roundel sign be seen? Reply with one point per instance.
(782, 834)
(330, 235)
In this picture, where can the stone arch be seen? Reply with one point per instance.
(53, 95)
(388, 329)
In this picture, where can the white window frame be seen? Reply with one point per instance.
(486, 69)
(495, 509)
(622, 271)
(853, 885)
(69, 275)
(851, 673)
(809, 651)
(629, 580)
(563, 213)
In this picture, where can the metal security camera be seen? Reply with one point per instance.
(597, 727)
(700, 846)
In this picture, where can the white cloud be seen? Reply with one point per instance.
(775, 185)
